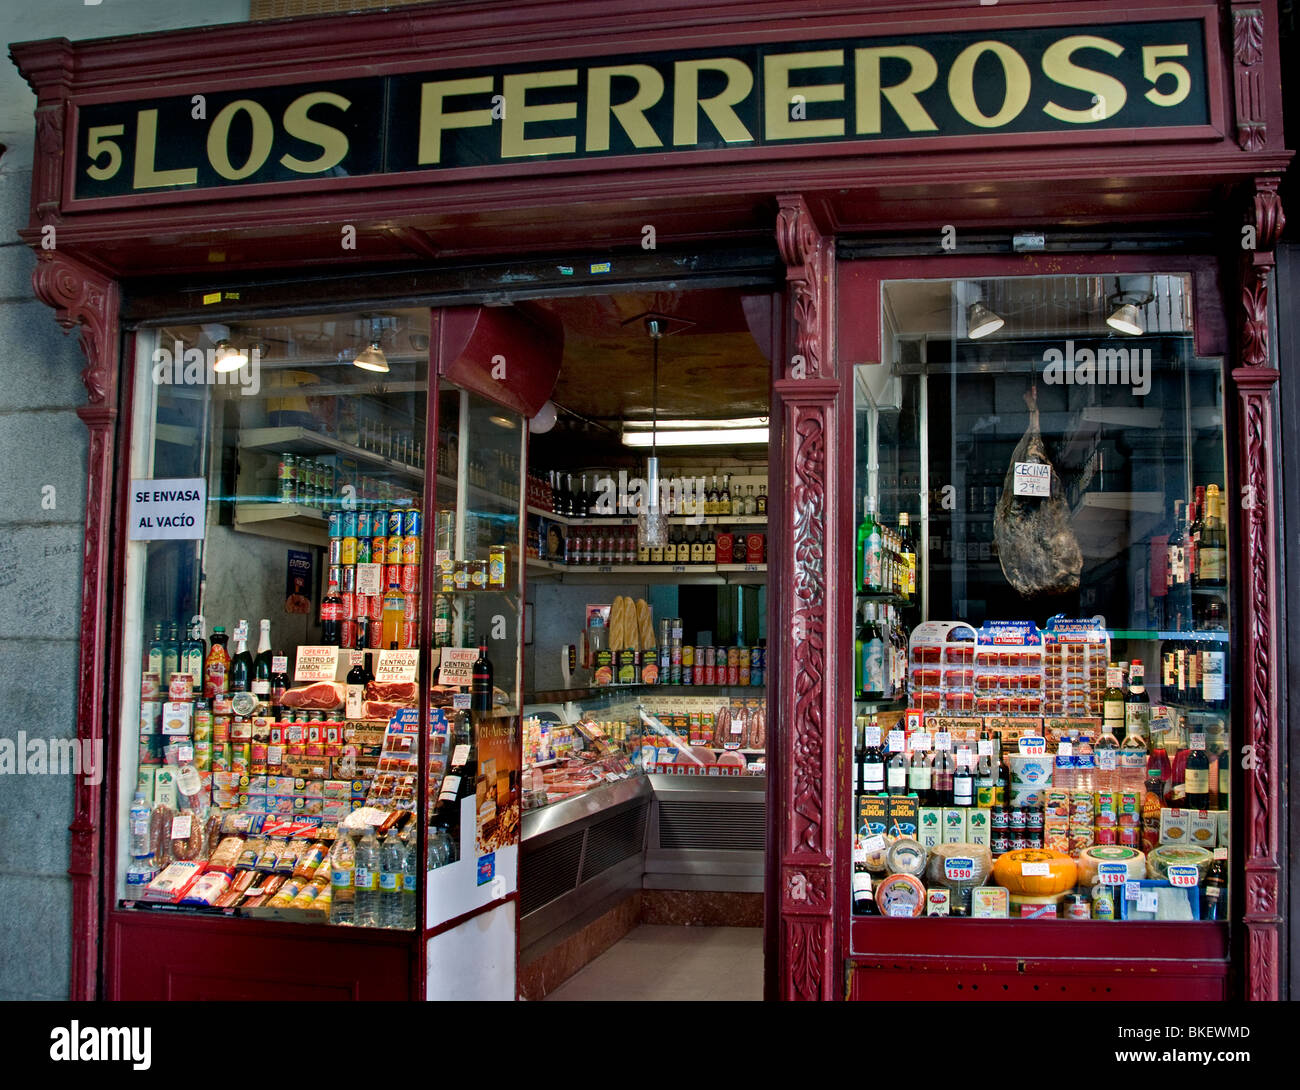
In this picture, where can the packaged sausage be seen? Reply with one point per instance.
(251, 853)
(226, 854)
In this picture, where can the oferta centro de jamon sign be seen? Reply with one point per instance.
(1131, 76)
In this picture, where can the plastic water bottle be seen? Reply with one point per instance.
(141, 870)
(1063, 773)
(365, 879)
(410, 879)
(343, 858)
(392, 868)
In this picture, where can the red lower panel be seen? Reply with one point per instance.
(157, 956)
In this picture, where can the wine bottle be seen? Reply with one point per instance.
(171, 662)
(873, 761)
(897, 773)
(241, 663)
(480, 693)
(920, 778)
(262, 664)
(1196, 774)
(963, 780)
(356, 689)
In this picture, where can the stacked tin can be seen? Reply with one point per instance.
(391, 539)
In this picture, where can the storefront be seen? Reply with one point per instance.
(1005, 272)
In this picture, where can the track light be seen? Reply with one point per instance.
(980, 321)
(1125, 319)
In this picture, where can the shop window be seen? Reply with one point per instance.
(1041, 655)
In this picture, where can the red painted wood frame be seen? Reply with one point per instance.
(1038, 179)
(837, 313)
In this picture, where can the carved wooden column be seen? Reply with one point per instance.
(1260, 514)
(807, 399)
(86, 299)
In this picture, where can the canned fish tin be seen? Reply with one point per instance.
(336, 550)
(411, 523)
(497, 566)
(395, 522)
(393, 554)
(410, 549)
(409, 577)
(349, 522)
(365, 523)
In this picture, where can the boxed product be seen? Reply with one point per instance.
(1175, 826)
(1076, 653)
(164, 786)
(930, 819)
(940, 673)
(977, 826)
(1008, 669)
(936, 902)
(954, 825)
(873, 814)
(989, 903)
(903, 814)
(1203, 828)
(173, 882)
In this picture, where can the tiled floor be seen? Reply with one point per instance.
(674, 963)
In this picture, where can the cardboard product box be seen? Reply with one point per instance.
(936, 902)
(1203, 829)
(931, 821)
(873, 814)
(903, 815)
(164, 786)
(1224, 828)
(1175, 826)
(990, 903)
(978, 828)
(954, 825)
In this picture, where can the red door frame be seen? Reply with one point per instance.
(837, 312)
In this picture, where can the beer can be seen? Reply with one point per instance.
(688, 656)
(347, 632)
(733, 674)
(497, 566)
(365, 523)
(411, 633)
(411, 523)
(336, 550)
(408, 578)
(393, 554)
(335, 522)
(349, 516)
(363, 550)
(349, 600)
(411, 549)
(379, 549)
(395, 521)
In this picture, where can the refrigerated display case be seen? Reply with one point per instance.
(1042, 724)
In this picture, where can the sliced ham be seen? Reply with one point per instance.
(380, 709)
(397, 692)
(318, 696)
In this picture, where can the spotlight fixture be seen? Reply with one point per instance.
(1125, 319)
(980, 321)
(372, 358)
(1131, 293)
(227, 357)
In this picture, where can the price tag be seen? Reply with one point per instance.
(985, 747)
(181, 825)
(1147, 901)
(279, 664)
(368, 579)
(457, 666)
(896, 741)
(757, 768)
(1035, 870)
(1131, 890)
(959, 869)
(1032, 745)
(1032, 479)
(460, 701)
(859, 852)
(901, 910)
(871, 736)
(874, 844)
(612, 777)
(184, 754)
(943, 741)
(679, 567)
(1196, 740)
(1065, 749)
(919, 740)
(1112, 874)
(1106, 759)
(316, 663)
(605, 568)
(1183, 877)
(274, 755)
(397, 665)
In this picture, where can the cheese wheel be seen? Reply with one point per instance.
(900, 895)
(978, 854)
(1061, 875)
(1172, 855)
(906, 856)
(1089, 859)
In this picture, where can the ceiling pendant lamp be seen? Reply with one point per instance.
(651, 522)
(372, 358)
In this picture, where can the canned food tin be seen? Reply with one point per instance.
(1019, 842)
(365, 523)
(393, 554)
(688, 656)
(347, 632)
(1129, 835)
(497, 566)
(1033, 818)
(1017, 819)
(999, 819)
(411, 523)
(1105, 834)
(409, 577)
(1035, 837)
(349, 517)
(363, 550)
(220, 728)
(1000, 844)
(349, 582)
(336, 550)
(241, 756)
(411, 549)
(395, 521)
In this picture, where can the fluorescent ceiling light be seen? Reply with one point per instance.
(734, 422)
(720, 437)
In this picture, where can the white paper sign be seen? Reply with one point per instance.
(279, 664)
(174, 508)
(901, 910)
(872, 736)
(1131, 890)
(873, 844)
(1147, 901)
(1032, 479)
(985, 747)
(397, 665)
(1035, 870)
(181, 825)
(460, 701)
(919, 740)
(316, 663)
(1065, 749)
(943, 741)
(895, 741)
(368, 579)
(457, 666)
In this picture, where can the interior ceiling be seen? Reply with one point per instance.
(710, 367)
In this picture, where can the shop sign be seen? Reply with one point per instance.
(173, 509)
(988, 83)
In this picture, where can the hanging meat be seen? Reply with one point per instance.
(1038, 550)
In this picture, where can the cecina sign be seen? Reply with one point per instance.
(1132, 76)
